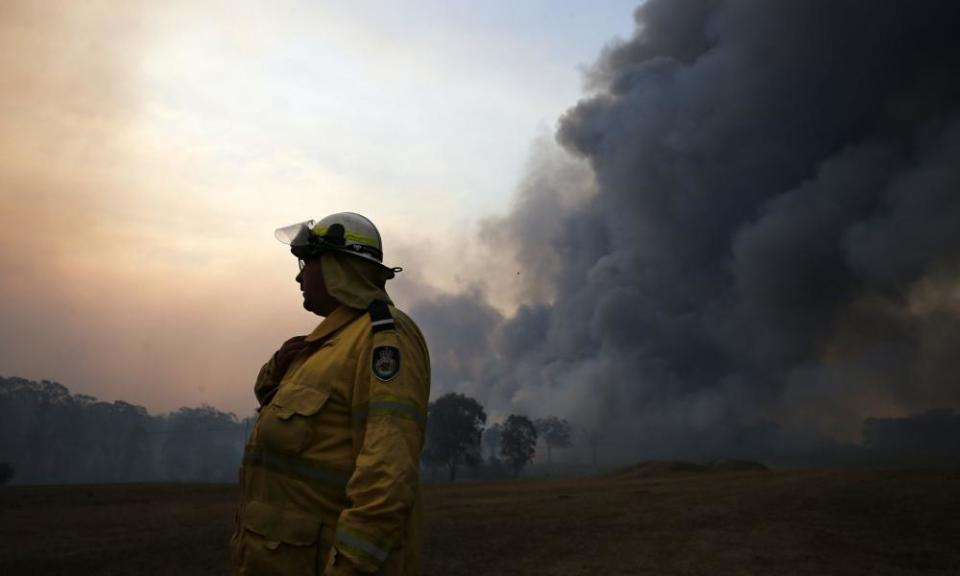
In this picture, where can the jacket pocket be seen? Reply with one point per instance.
(279, 541)
(285, 425)
(298, 399)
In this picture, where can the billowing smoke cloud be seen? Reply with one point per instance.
(763, 250)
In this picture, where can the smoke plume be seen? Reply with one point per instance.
(748, 243)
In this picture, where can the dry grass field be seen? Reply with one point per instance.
(656, 522)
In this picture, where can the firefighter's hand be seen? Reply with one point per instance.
(338, 565)
(286, 354)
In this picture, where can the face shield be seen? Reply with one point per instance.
(303, 241)
(296, 235)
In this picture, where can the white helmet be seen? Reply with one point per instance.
(344, 232)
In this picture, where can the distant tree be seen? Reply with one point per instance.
(6, 473)
(555, 433)
(454, 425)
(491, 439)
(518, 442)
(593, 437)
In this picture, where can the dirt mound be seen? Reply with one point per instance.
(736, 466)
(654, 468)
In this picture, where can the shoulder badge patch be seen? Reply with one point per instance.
(386, 362)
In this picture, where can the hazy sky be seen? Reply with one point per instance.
(148, 151)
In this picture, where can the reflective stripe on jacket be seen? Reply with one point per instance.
(330, 477)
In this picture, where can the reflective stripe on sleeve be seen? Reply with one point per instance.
(380, 317)
(390, 407)
(358, 543)
(299, 467)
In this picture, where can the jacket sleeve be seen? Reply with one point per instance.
(386, 480)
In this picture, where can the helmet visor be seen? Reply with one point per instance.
(295, 234)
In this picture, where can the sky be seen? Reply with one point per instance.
(149, 150)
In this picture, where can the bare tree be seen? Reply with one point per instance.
(594, 437)
(491, 439)
(6, 473)
(555, 433)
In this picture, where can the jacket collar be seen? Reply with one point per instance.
(337, 319)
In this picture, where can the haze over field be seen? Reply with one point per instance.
(742, 240)
(148, 151)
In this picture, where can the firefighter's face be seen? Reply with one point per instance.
(315, 296)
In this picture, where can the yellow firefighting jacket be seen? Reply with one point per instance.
(330, 477)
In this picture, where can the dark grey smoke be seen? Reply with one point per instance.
(772, 251)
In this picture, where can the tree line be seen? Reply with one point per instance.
(457, 434)
(48, 435)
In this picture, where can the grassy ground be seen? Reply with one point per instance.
(730, 523)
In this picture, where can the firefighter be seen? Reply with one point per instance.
(330, 477)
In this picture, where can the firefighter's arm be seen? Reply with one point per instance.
(385, 481)
(267, 381)
(272, 372)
